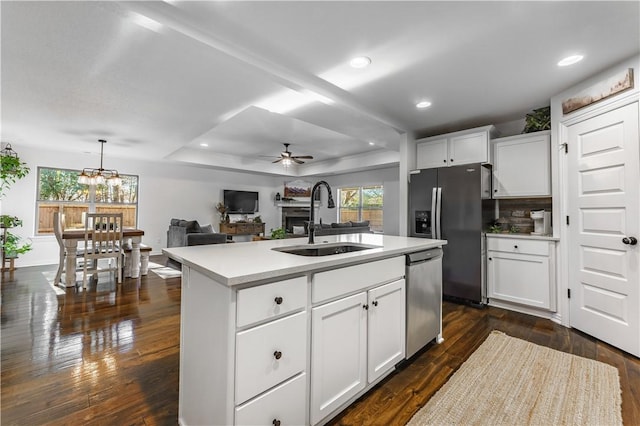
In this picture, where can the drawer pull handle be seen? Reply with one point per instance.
(444, 161)
(490, 258)
(452, 160)
(515, 247)
(374, 303)
(365, 307)
(278, 300)
(630, 240)
(275, 422)
(277, 354)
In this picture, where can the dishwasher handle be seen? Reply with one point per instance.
(423, 256)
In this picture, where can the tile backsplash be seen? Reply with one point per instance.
(515, 212)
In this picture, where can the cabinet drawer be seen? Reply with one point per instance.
(330, 284)
(270, 300)
(286, 403)
(518, 245)
(258, 368)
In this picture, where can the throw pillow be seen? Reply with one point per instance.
(360, 224)
(207, 229)
(298, 230)
(191, 225)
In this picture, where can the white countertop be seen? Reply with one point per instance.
(241, 263)
(523, 236)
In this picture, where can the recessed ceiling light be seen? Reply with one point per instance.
(360, 62)
(570, 60)
(204, 144)
(371, 143)
(423, 104)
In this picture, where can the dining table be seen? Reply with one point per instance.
(71, 238)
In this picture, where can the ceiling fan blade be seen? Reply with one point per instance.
(277, 161)
(295, 159)
(306, 157)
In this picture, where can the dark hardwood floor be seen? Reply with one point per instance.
(110, 355)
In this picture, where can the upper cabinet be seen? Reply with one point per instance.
(522, 165)
(452, 149)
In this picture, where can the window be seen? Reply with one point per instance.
(358, 204)
(59, 191)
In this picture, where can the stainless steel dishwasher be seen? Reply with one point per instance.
(424, 299)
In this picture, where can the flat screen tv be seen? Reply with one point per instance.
(243, 202)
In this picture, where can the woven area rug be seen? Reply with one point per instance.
(508, 381)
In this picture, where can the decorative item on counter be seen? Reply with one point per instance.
(277, 196)
(278, 233)
(222, 209)
(513, 229)
(257, 219)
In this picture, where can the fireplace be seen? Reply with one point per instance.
(294, 216)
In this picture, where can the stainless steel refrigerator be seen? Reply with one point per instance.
(454, 204)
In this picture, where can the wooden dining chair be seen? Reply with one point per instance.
(58, 228)
(102, 240)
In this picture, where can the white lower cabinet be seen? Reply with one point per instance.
(283, 405)
(386, 327)
(521, 271)
(269, 354)
(339, 354)
(355, 341)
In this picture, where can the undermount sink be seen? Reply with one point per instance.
(325, 249)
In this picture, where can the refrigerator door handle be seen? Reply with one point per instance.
(433, 213)
(438, 213)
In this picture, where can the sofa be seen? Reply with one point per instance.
(339, 228)
(182, 233)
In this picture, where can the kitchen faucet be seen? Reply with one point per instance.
(312, 227)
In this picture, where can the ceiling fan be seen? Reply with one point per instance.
(287, 158)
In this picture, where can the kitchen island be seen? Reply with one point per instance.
(269, 337)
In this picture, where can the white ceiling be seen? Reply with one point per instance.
(245, 77)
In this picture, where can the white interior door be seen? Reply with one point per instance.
(603, 202)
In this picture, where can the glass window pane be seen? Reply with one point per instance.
(59, 190)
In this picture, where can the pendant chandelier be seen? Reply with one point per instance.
(100, 176)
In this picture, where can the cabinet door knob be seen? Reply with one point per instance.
(275, 422)
(515, 247)
(277, 354)
(632, 241)
(374, 303)
(495, 190)
(452, 160)
(278, 300)
(365, 307)
(444, 161)
(491, 258)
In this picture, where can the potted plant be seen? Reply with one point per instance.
(13, 246)
(278, 233)
(222, 209)
(11, 169)
(538, 120)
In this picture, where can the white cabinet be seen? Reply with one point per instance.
(521, 271)
(522, 165)
(452, 149)
(338, 354)
(386, 328)
(349, 334)
(432, 152)
(271, 352)
(277, 405)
